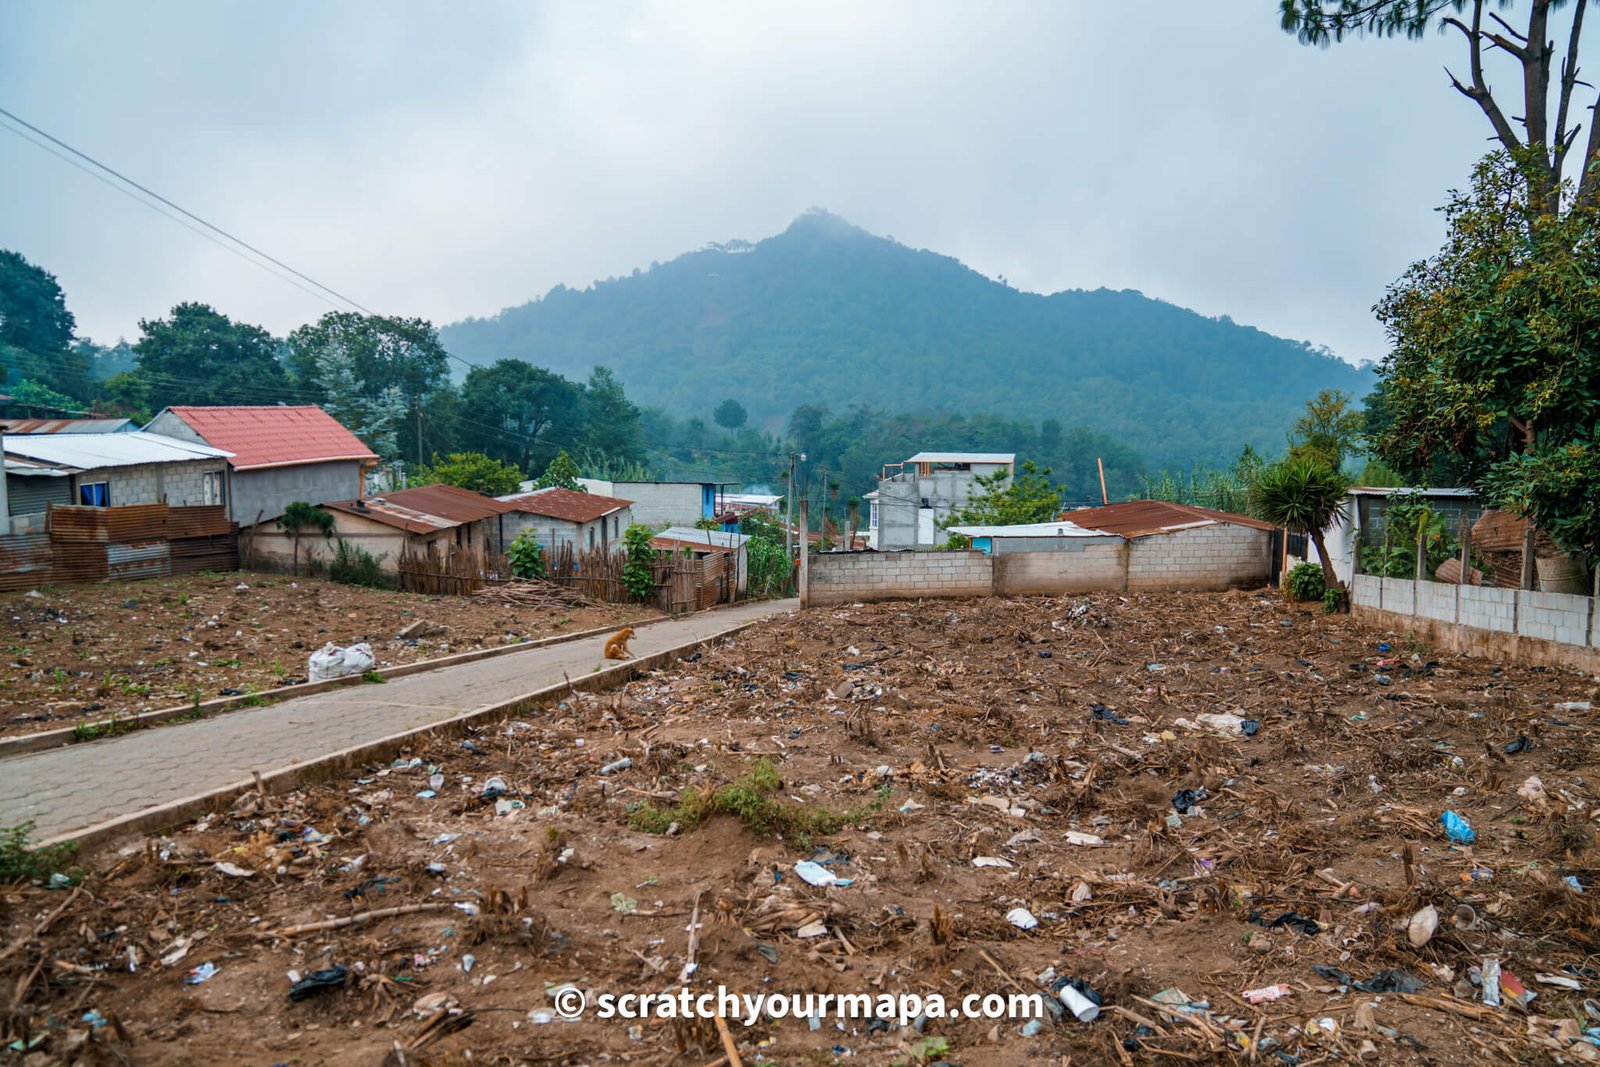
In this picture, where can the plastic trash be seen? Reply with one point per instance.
(1457, 829)
(1292, 919)
(1021, 918)
(199, 974)
(1266, 993)
(1521, 744)
(617, 765)
(1105, 714)
(815, 873)
(331, 661)
(319, 982)
(493, 789)
(1184, 799)
(1574, 705)
(1250, 727)
(1082, 1001)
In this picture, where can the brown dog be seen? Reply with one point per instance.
(617, 644)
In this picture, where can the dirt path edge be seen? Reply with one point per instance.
(282, 779)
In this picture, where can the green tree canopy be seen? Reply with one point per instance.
(561, 473)
(1329, 430)
(197, 355)
(520, 413)
(35, 325)
(470, 470)
(1002, 500)
(1303, 495)
(730, 414)
(611, 421)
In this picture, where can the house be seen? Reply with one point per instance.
(280, 455)
(712, 546)
(916, 497)
(67, 425)
(557, 516)
(1058, 536)
(441, 516)
(667, 503)
(1361, 526)
(735, 506)
(111, 469)
(1179, 546)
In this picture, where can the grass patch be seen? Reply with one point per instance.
(753, 798)
(372, 677)
(115, 726)
(21, 863)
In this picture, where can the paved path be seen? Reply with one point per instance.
(70, 788)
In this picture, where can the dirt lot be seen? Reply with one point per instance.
(86, 652)
(952, 761)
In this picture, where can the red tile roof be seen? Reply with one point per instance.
(425, 509)
(559, 503)
(274, 436)
(1137, 518)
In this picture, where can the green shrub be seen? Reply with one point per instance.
(1305, 582)
(20, 863)
(639, 573)
(525, 556)
(354, 565)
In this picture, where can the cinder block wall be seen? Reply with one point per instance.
(850, 576)
(178, 484)
(1523, 625)
(1078, 567)
(1208, 557)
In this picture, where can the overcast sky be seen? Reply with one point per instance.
(452, 159)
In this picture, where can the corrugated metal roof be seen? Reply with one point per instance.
(425, 509)
(963, 457)
(87, 451)
(1032, 529)
(1137, 518)
(559, 503)
(67, 426)
(274, 435)
(1373, 490)
(704, 540)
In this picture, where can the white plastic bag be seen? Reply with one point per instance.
(331, 661)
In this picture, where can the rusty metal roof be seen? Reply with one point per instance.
(1140, 518)
(425, 509)
(558, 503)
(67, 426)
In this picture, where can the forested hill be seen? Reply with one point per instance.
(826, 313)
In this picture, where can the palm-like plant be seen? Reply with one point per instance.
(1303, 495)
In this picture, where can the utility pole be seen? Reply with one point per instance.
(788, 531)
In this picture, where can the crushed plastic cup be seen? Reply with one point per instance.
(815, 873)
(1457, 828)
(1080, 1000)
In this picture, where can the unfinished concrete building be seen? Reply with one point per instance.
(915, 498)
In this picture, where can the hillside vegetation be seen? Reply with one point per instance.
(828, 314)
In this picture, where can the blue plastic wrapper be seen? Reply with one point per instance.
(1457, 829)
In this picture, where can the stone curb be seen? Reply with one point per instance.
(284, 779)
(26, 744)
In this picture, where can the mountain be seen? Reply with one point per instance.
(826, 313)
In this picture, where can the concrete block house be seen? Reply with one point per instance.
(559, 516)
(110, 470)
(916, 497)
(279, 454)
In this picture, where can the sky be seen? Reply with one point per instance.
(448, 160)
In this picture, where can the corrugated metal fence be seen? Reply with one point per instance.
(122, 544)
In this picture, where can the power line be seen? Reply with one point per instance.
(182, 210)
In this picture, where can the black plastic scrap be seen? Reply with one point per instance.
(1292, 919)
(1184, 799)
(1250, 727)
(1521, 744)
(1100, 711)
(319, 981)
(1385, 981)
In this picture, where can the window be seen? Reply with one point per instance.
(95, 494)
(211, 488)
(591, 537)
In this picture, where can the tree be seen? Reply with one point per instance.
(520, 413)
(299, 515)
(1496, 339)
(197, 355)
(125, 395)
(385, 353)
(1002, 500)
(1329, 430)
(1555, 487)
(1303, 495)
(35, 325)
(41, 399)
(470, 470)
(1321, 22)
(373, 416)
(611, 420)
(730, 414)
(561, 473)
